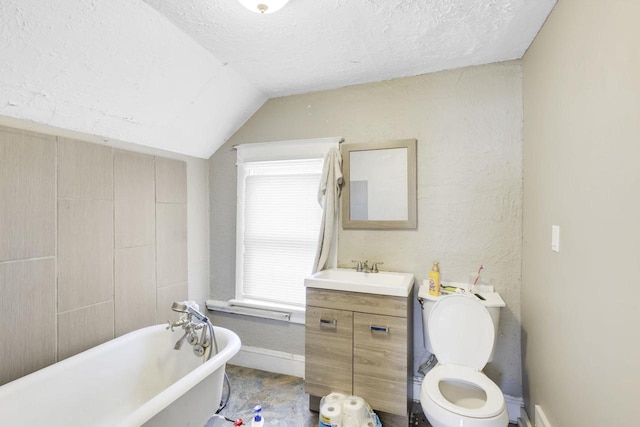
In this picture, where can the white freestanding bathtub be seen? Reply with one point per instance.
(136, 379)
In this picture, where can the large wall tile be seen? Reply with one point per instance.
(171, 180)
(171, 243)
(87, 213)
(27, 196)
(166, 296)
(85, 171)
(135, 288)
(27, 316)
(85, 253)
(134, 194)
(79, 330)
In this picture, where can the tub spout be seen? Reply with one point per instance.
(181, 341)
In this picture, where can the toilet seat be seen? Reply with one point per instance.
(462, 336)
(494, 403)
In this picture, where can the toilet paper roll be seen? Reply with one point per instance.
(334, 397)
(355, 410)
(331, 415)
(368, 423)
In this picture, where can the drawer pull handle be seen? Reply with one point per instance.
(382, 329)
(326, 322)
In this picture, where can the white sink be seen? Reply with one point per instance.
(344, 279)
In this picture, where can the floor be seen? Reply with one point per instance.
(284, 402)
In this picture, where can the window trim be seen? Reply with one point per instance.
(270, 151)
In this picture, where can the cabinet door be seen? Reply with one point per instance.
(328, 351)
(380, 361)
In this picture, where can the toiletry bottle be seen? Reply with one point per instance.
(258, 420)
(434, 280)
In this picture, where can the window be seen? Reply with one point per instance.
(278, 219)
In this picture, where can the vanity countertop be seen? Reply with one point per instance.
(344, 279)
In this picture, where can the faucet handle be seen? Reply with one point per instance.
(374, 267)
(358, 264)
(172, 325)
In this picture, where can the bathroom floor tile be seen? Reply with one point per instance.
(284, 402)
(282, 397)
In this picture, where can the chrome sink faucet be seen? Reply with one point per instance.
(363, 266)
(360, 265)
(374, 266)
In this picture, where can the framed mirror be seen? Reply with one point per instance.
(380, 185)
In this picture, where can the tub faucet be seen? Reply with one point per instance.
(181, 307)
(192, 321)
(179, 343)
(178, 323)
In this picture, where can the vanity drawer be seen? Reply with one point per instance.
(328, 351)
(380, 361)
(358, 302)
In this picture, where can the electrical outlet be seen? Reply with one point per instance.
(541, 419)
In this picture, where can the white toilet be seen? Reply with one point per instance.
(456, 393)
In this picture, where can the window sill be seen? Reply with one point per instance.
(265, 310)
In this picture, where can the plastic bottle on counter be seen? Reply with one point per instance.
(434, 280)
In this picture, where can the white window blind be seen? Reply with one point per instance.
(278, 220)
(279, 232)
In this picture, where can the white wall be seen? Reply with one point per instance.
(119, 69)
(580, 306)
(468, 124)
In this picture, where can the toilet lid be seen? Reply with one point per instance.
(461, 331)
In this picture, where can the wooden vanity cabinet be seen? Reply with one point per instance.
(328, 351)
(360, 344)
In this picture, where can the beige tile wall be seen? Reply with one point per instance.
(85, 253)
(27, 195)
(171, 180)
(79, 260)
(85, 171)
(135, 292)
(135, 198)
(84, 328)
(171, 249)
(171, 235)
(27, 316)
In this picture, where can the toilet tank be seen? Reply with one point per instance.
(493, 303)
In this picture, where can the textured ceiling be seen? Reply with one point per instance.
(183, 75)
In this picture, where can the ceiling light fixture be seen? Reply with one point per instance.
(264, 6)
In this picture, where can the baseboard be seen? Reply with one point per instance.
(514, 406)
(269, 360)
(514, 403)
(524, 421)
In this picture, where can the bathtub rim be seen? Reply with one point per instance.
(160, 401)
(163, 399)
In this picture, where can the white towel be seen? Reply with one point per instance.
(328, 197)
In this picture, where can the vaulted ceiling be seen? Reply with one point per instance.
(184, 75)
